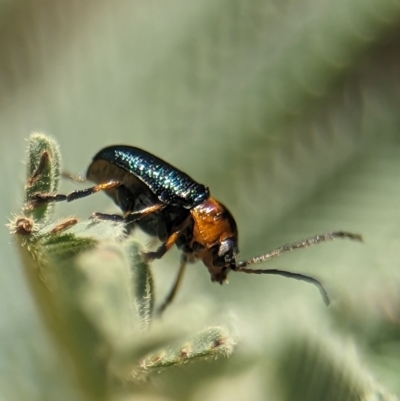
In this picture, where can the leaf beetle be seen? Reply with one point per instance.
(168, 204)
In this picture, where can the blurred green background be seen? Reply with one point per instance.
(289, 111)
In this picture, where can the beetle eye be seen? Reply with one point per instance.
(224, 248)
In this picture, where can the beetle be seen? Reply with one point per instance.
(168, 204)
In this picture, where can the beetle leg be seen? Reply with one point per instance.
(39, 198)
(115, 218)
(175, 287)
(72, 177)
(128, 217)
(163, 249)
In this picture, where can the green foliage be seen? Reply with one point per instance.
(312, 369)
(95, 290)
(43, 173)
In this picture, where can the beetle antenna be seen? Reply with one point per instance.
(296, 276)
(317, 239)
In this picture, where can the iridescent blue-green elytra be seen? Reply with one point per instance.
(170, 185)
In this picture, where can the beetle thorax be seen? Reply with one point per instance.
(212, 224)
(214, 237)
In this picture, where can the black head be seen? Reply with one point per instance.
(221, 259)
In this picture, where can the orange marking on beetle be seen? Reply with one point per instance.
(211, 224)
